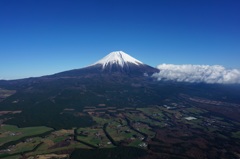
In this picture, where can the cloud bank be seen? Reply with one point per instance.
(198, 74)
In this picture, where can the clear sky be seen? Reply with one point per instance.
(41, 37)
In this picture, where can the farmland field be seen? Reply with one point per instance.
(146, 128)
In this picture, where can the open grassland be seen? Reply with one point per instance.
(51, 156)
(138, 117)
(5, 93)
(155, 128)
(13, 157)
(236, 134)
(24, 146)
(94, 136)
(46, 149)
(11, 133)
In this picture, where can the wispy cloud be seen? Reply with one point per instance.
(198, 73)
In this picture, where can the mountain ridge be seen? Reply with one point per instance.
(115, 63)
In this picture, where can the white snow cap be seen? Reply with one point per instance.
(119, 58)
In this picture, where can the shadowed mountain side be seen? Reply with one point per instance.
(131, 70)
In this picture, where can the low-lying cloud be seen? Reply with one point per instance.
(198, 74)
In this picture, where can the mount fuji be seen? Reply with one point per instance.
(117, 80)
(118, 99)
(115, 63)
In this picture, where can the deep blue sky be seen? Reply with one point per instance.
(40, 37)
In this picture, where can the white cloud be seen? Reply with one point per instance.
(198, 73)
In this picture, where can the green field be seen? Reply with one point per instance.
(26, 145)
(236, 134)
(12, 133)
(13, 157)
(94, 136)
(114, 130)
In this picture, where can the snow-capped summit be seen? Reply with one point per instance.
(120, 62)
(115, 63)
(118, 58)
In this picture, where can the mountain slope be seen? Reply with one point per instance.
(115, 63)
(116, 81)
